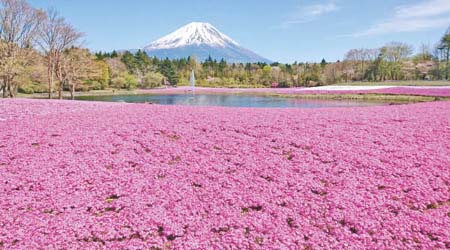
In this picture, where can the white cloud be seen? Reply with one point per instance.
(428, 14)
(424, 9)
(320, 9)
(308, 13)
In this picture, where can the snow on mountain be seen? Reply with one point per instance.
(201, 40)
(193, 34)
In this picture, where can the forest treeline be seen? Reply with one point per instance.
(40, 52)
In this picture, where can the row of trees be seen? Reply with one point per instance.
(41, 52)
(394, 61)
(32, 40)
(130, 70)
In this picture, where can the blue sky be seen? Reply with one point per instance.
(283, 30)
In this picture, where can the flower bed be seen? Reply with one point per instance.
(419, 91)
(88, 175)
(435, 91)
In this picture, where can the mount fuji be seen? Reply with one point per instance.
(201, 40)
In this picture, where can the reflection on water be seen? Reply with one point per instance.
(232, 101)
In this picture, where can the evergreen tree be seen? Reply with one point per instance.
(99, 55)
(130, 61)
(168, 70)
(323, 63)
(222, 66)
(142, 62)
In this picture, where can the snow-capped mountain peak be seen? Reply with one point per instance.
(202, 41)
(195, 33)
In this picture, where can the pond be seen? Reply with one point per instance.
(229, 100)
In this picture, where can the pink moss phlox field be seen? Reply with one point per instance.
(88, 175)
(208, 90)
(419, 91)
(435, 91)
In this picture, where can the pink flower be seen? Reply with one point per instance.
(111, 176)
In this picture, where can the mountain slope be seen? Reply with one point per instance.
(201, 40)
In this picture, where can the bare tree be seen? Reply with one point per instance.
(372, 54)
(424, 52)
(396, 51)
(75, 65)
(55, 36)
(333, 72)
(395, 54)
(18, 25)
(362, 57)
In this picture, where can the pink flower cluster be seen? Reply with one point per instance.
(433, 91)
(419, 91)
(207, 90)
(88, 175)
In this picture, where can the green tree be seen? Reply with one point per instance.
(323, 63)
(130, 81)
(130, 61)
(266, 74)
(222, 66)
(105, 74)
(114, 54)
(445, 48)
(152, 80)
(167, 68)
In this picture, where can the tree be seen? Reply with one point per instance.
(222, 66)
(142, 65)
(445, 49)
(116, 71)
(323, 63)
(152, 80)
(130, 61)
(104, 73)
(394, 53)
(18, 25)
(266, 74)
(75, 66)
(114, 54)
(424, 53)
(359, 58)
(55, 36)
(168, 70)
(332, 73)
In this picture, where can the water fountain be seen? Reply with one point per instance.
(192, 81)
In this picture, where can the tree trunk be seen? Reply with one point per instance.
(4, 88)
(72, 90)
(439, 66)
(50, 87)
(60, 89)
(11, 89)
(50, 78)
(363, 68)
(12, 92)
(447, 63)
